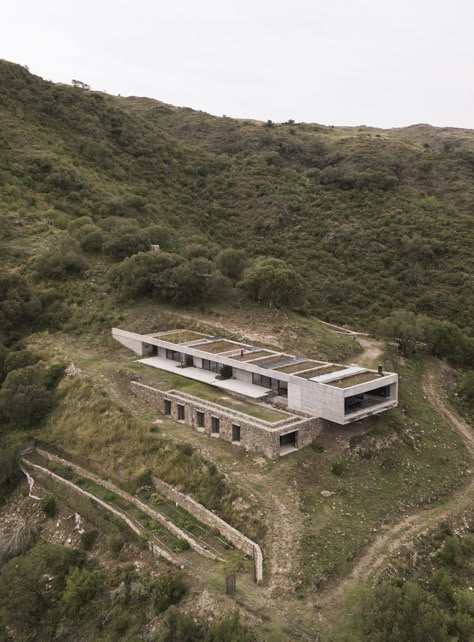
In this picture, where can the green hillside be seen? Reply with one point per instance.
(372, 219)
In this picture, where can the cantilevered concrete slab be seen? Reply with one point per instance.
(204, 376)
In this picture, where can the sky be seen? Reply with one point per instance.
(384, 63)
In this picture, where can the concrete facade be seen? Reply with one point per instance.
(326, 398)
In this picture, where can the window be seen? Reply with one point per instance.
(167, 407)
(267, 382)
(215, 425)
(180, 408)
(211, 365)
(235, 432)
(200, 419)
(173, 355)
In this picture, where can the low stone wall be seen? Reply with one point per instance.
(255, 434)
(231, 534)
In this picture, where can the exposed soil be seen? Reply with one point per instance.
(392, 537)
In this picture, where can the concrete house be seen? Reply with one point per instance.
(307, 391)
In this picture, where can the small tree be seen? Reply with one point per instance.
(24, 397)
(273, 281)
(231, 263)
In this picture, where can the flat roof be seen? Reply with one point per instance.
(322, 372)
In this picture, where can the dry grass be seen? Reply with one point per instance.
(297, 367)
(347, 382)
(181, 336)
(220, 346)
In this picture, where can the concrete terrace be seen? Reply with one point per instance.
(204, 376)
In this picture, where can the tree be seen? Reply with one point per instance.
(231, 263)
(81, 586)
(33, 583)
(404, 328)
(402, 614)
(272, 281)
(146, 273)
(24, 397)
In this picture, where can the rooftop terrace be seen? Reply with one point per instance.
(322, 372)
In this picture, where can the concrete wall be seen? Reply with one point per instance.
(304, 395)
(255, 435)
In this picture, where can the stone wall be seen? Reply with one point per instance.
(255, 434)
(231, 534)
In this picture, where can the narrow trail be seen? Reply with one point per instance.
(392, 537)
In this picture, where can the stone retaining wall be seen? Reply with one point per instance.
(231, 534)
(255, 434)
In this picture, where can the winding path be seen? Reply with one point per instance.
(392, 537)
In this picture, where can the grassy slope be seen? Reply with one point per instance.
(307, 193)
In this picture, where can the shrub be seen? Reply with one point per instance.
(231, 263)
(24, 397)
(60, 261)
(116, 543)
(88, 539)
(272, 281)
(54, 374)
(168, 590)
(180, 627)
(19, 359)
(230, 628)
(338, 468)
(120, 246)
(48, 505)
(182, 545)
(81, 586)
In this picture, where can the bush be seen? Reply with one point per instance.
(272, 281)
(81, 586)
(88, 539)
(120, 246)
(168, 590)
(24, 397)
(231, 263)
(19, 359)
(116, 543)
(338, 468)
(54, 374)
(60, 261)
(229, 628)
(179, 627)
(182, 545)
(48, 505)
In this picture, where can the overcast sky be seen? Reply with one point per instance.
(385, 63)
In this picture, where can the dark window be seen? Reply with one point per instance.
(211, 365)
(289, 439)
(180, 412)
(267, 382)
(154, 350)
(173, 355)
(215, 425)
(383, 392)
(235, 432)
(200, 419)
(167, 407)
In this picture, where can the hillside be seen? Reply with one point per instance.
(267, 232)
(372, 219)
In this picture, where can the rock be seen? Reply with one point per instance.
(327, 493)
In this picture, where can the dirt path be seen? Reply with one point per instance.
(392, 537)
(371, 350)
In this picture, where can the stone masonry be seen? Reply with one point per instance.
(217, 421)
